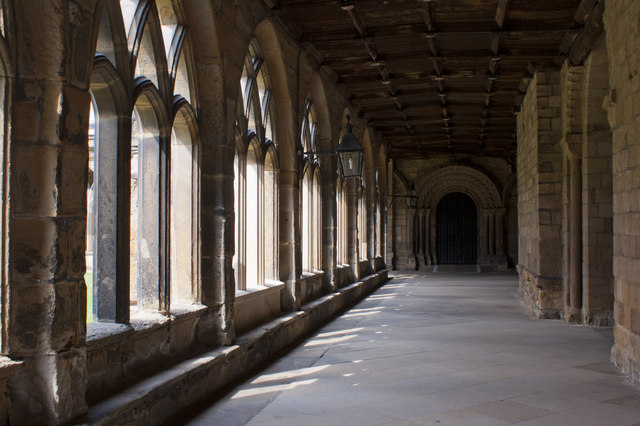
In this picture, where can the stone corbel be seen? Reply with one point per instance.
(573, 144)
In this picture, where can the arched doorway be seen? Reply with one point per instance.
(456, 229)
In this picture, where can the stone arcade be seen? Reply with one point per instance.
(169, 210)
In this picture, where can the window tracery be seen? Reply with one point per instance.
(144, 206)
(255, 179)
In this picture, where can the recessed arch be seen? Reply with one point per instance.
(434, 185)
(184, 207)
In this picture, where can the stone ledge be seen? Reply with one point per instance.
(162, 397)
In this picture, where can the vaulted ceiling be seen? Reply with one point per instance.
(442, 77)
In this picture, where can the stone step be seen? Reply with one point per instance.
(164, 396)
(456, 268)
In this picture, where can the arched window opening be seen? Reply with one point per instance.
(362, 223)
(91, 201)
(341, 211)
(311, 201)
(307, 221)
(256, 179)
(238, 202)
(146, 218)
(379, 229)
(183, 216)
(106, 297)
(253, 223)
(271, 217)
(316, 208)
(147, 205)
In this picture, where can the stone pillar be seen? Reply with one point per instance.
(46, 304)
(539, 170)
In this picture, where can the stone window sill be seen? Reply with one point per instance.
(315, 272)
(257, 292)
(101, 334)
(8, 366)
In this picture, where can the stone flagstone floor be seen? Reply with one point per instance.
(438, 349)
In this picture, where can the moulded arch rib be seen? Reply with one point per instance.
(472, 182)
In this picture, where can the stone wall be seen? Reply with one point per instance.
(622, 22)
(539, 196)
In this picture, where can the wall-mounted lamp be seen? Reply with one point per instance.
(349, 152)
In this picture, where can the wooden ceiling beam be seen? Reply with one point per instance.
(501, 15)
(450, 29)
(501, 12)
(584, 10)
(592, 30)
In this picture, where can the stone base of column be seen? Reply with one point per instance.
(493, 263)
(571, 314)
(49, 389)
(541, 294)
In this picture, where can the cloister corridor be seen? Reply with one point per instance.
(437, 349)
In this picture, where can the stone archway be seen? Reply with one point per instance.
(434, 185)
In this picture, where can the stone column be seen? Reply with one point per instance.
(483, 240)
(420, 237)
(46, 300)
(370, 223)
(500, 231)
(428, 259)
(491, 233)
(352, 226)
(411, 238)
(289, 218)
(382, 226)
(329, 225)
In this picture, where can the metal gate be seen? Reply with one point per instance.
(456, 230)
